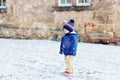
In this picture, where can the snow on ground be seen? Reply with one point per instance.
(40, 60)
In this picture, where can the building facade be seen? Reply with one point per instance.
(95, 20)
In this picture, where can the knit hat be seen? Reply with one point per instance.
(69, 25)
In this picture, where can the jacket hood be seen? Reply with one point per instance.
(73, 32)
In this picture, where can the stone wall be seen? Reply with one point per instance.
(104, 14)
(27, 19)
(27, 12)
(40, 20)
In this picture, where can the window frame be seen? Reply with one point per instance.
(83, 4)
(64, 5)
(2, 6)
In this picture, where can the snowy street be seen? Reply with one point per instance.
(40, 60)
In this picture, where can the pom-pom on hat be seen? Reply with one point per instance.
(69, 25)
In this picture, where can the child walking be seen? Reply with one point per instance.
(68, 45)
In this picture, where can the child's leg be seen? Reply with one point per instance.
(69, 63)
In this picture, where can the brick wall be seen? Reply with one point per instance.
(46, 19)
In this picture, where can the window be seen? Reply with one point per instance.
(64, 3)
(83, 2)
(2, 4)
(73, 5)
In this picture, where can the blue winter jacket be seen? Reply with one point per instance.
(69, 44)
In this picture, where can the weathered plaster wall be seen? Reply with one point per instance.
(38, 19)
(29, 12)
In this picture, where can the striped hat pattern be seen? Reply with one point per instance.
(69, 25)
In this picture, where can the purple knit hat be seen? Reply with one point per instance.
(69, 25)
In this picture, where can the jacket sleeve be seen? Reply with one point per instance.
(74, 42)
(61, 46)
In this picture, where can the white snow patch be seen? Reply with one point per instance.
(40, 60)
